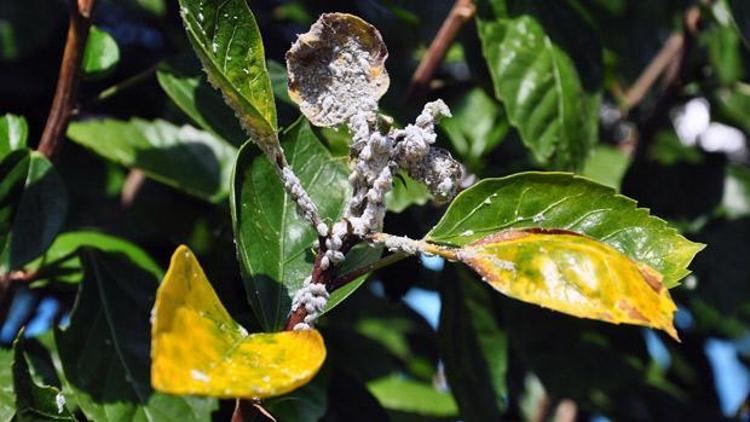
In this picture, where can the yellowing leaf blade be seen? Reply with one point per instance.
(574, 274)
(197, 348)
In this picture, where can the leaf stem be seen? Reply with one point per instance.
(347, 278)
(125, 84)
(63, 103)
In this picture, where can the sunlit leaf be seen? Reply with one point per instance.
(101, 54)
(574, 274)
(185, 83)
(7, 394)
(478, 125)
(62, 255)
(536, 56)
(227, 40)
(398, 393)
(564, 201)
(274, 244)
(606, 165)
(13, 133)
(199, 349)
(183, 157)
(105, 349)
(405, 193)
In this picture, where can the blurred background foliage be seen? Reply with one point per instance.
(412, 344)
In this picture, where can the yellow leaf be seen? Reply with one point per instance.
(197, 348)
(574, 274)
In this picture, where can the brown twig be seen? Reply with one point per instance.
(672, 82)
(131, 187)
(63, 103)
(347, 278)
(461, 12)
(668, 55)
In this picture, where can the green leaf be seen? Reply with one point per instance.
(723, 42)
(397, 393)
(279, 82)
(183, 157)
(13, 172)
(109, 334)
(13, 133)
(35, 402)
(606, 165)
(473, 347)
(536, 56)
(405, 193)
(227, 40)
(274, 244)
(156, 7)
(39, 216)
(564, 201)
(734, 105)
(62, 255)
(185, 83)
(478, 125)
(101, 54)
(7, 394)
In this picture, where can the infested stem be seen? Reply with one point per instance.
(408, 246)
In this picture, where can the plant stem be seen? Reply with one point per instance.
(63, 103)
(345, 279)
(461, 12)
(127, 83)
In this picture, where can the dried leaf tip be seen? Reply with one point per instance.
(337, 69)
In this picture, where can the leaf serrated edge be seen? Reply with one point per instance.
(697, 246)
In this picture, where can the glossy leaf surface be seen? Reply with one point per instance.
(7, 394)
(109, 334)
(227, 40)
(274, 243)
(13, 133)
(183, 157)
(62, 254)
(101, 54)
(186, 85)
(197, 348)
(573, 274)
(564, 201)
(547, 100)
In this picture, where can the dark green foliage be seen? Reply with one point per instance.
(162, 150)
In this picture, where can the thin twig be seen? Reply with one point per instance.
(63, 103)
(127, 83)
(130, 188)
(673, 81)
(669, 54)
(347, 278)
(461, 12)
